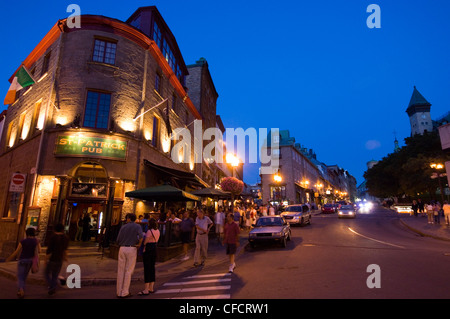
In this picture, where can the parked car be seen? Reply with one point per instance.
(270, 229)
(297, 214)
(329, 209)
(347, 211)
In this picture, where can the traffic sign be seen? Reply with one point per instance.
(17, 184)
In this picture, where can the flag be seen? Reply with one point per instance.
(21, 80)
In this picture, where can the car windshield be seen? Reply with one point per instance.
(346, 207)
(328, 205)
(270, 221)
(296, 208)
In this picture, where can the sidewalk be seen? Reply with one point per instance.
(102, 270)
(420, 225)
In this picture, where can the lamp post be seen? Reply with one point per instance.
(438, 167)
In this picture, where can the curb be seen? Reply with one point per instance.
(422, 233)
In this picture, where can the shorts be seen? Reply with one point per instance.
(231, 249)
(219, 228)
(186, 237)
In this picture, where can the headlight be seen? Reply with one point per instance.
(277, 234)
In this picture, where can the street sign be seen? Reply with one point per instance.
(17, 184)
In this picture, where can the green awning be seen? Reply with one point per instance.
(162, 193)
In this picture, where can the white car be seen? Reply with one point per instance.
(347, 211)
(297, 214)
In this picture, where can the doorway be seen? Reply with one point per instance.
(89, 216)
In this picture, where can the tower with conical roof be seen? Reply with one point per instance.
(419, 114)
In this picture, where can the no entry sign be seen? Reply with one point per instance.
(17, 184)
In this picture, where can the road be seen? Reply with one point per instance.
(324, 260)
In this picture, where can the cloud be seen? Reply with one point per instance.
(372, 144)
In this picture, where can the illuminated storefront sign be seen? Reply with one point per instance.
(88, 146)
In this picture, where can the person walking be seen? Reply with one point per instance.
(56, 254)
(437, 212)
(186, 226)
(149, 257)
(446, 208)
(203, 225)
(415, 207)
(231, 240)
(129, 239)
(27, 249)
(219, 221)
(78, 235)
(421, 207)
(429, 209)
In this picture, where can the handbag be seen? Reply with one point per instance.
(35, 264)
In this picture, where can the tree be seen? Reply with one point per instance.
(407, 172)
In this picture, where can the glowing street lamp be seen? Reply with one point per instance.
(437, 167)
(277, 178)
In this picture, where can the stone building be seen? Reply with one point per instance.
(96, 123)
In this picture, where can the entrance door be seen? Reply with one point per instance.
(90, 216)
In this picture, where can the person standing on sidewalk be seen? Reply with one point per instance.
(203, 225)
(27, 249)
(129, 239)
(56, 254)
(446, 209)
(186, 226)
(149, 257)
(231, 240)
(429, 209)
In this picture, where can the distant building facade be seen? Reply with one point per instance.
(301, 178)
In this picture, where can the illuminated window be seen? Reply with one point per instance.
(104, 51)
(21, 122)
(96, 114)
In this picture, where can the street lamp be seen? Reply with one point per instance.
(233, 160)
(437, 167)
(277, 178)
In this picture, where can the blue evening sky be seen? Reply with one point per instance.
(313, 67)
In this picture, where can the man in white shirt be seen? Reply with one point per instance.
(203, 225)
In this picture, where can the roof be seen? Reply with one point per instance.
(417, 100)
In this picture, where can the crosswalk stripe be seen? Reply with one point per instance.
(194, 282)
(183, 290)
(210, 275)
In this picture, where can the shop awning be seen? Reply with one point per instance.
(212, 192)
(162, 193)
(177, 174)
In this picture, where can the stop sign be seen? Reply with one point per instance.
(17, 184)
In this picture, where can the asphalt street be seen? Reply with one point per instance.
(330, 259)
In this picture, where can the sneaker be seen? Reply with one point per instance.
(231, 268)
(185, 258)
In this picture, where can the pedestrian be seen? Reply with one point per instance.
(149, 257)
(437, 212)
(415, 207)
(421, 207)
(56, 254)
(219, 221)
(237, 216)
(231, 240)
(429, 209)
(203, 225)
(446, 209)
(28, 249)
(78, 235)
(129, 239)
(86, 227)
(186, 226)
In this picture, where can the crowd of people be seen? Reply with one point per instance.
(432, 210)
